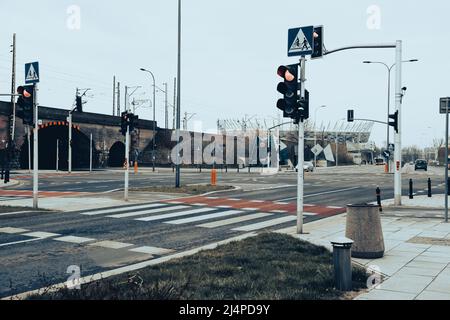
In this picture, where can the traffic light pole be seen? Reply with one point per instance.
(398, 135)
(35, 150)
(300, 153)
(127, 152)
(70, 143)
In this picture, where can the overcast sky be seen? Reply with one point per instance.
(230, 52)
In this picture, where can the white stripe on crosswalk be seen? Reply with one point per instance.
(151, 250)
(144, 212)
(205, 217)
(146, 206)
(265, 224)
(176, 214)
(233, 220)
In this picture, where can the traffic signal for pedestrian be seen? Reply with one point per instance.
(394, 122)
(350, 115)
(26, 102)
(79, 104)
(289, 88)
(124, 122)
(318, 42)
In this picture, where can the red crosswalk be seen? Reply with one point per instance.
(265, 206)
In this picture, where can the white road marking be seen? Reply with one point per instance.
(151, 211)
(250, 209)
(146, 206)
(13, 230)
(224, 207)
(18, 242)
(111, 244)
(151, 250)
(199, 204)
(281, 203)
(175, 202)
(14, 213)
(212, 198)
(73, 239)
(234, 199)
(265, 224)
(333, 207)
(323, 193)
(279, 211)
(205, 217)
(233, 220)
(41, 235)
(176, 214)
(257, 201)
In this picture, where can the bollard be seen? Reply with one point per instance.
(213, 177)
(429, 187)
(378, 191)
(342, 263)
(238, 168)
(448, 189)
(411, 196)
(135, 167)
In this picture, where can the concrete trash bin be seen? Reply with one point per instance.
(363, 226)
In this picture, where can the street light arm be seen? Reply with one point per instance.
(370, 120)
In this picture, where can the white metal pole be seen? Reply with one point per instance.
(70, 143)
(127, 151)
(300, 154)
(29, 148)
(446, 165)
(269, 145)
(397, 136)
(337, 148)
(90, 155)
(57, 154)
(35, 150)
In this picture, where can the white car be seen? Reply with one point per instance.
(307, 166)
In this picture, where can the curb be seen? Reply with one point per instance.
(12, 183)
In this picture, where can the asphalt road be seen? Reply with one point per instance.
(40, 248)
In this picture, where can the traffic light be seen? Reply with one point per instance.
(79, 104)
(124, 123)
(318, 42)
(303, 110)
(133, 121)
(26, 102)
(289, 88)
(394, 122)
(350, 115)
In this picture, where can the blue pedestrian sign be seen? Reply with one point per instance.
(32, 72)
(300, 41)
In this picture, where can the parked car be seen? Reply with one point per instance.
(308, 166)
(421, 164)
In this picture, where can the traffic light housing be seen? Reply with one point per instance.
(124, 122)
(318, 42)
(289, 89)
(350, 115)
(26, 102)
(394, 122)
(133, 121)
(303, 109)
(79, 104)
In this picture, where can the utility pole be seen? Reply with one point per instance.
(90, 154)
(13, 88)
(118, 99)
(174, 103)
(125, 99)
(114, 96)
(337, 148)
(178, 105)
(166, 106)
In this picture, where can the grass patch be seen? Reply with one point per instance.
(270, 266)
(191, 189)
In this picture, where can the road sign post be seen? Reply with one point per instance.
(90, 154)
(32, 77)
(127, 152)
(444, 105)
(301, 154)
(398, 134)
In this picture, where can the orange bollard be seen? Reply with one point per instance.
(213, 177)
(135, 167)
(386, 168)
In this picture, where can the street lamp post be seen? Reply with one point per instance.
(154, 120)
(389, 69)
(315, 133)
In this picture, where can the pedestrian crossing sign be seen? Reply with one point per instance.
(32, 72)
(300, 41)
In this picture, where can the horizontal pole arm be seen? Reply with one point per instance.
(279, 125)
(369, 46)
(369, 120)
